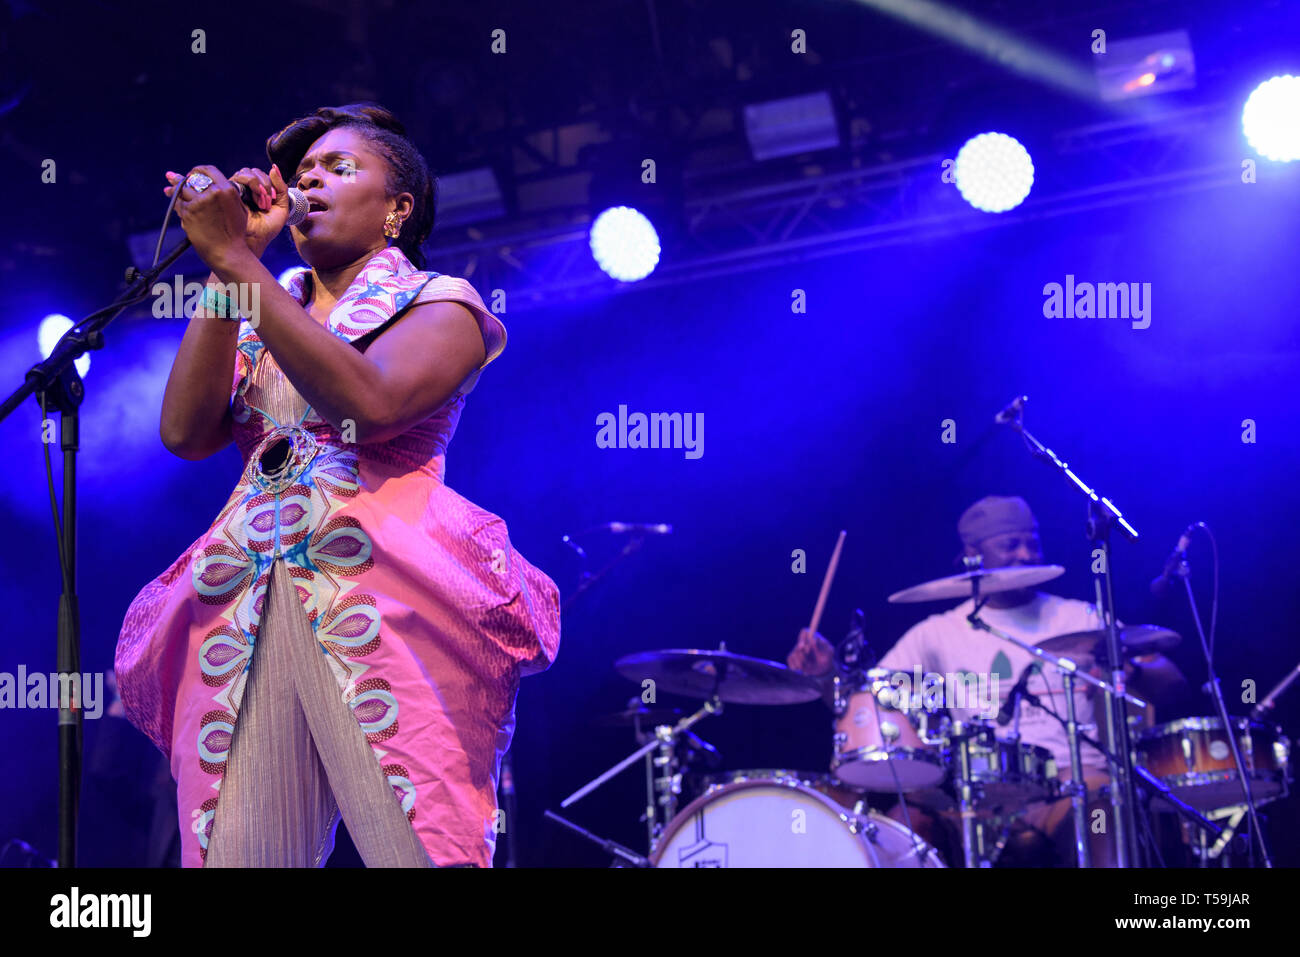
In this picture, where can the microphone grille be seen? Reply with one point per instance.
(297, 206)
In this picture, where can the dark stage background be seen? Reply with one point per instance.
(813, 422)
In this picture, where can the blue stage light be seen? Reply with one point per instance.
(994, 172)
(625, 244)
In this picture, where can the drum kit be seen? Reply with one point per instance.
(886, 742)
(1212, 772)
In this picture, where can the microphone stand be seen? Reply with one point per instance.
(58, 386)
(1215, 690)
(1102, 517)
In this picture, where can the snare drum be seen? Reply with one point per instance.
(784, 823)
(878, 746)
(1006, 772)
(1193, 758)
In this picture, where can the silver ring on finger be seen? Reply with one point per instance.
(198, 181)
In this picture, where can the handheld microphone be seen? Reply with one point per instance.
(1173, 564)
(297, 202)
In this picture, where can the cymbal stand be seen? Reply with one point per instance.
(1076, 787)
(960, 736)
(665, 740)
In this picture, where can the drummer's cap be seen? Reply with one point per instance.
(995, 515)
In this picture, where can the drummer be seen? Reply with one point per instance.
(1003, 532)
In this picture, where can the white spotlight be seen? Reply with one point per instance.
(625, 244)
(994, 172)
(1271, 119)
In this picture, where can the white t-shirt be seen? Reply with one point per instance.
(947, 644)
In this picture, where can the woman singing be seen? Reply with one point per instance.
(349, 634)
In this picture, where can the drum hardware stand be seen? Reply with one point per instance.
(1102, 515)
(611, 847)
(1070, 672)
(1152, 783)
(668, 783)
(1234, 815)
(1215, 691)
(960, 735)
(664, 740)
(1076, 787)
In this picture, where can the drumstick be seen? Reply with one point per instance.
(826, 585)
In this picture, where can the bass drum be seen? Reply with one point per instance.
(784, 823)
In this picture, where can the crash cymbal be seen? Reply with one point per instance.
(735, 678)
(1133, 639)
(650, 717)
(991, 581)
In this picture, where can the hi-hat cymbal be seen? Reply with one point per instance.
(1134, 640)
(735, 678)
(991, 581)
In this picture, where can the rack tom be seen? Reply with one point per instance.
(879, 742)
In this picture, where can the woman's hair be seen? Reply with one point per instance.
(407, 170)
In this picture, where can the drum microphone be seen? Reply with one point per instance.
(853, 649)
(1017, 690)
(1173, 564)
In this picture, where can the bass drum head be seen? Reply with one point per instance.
(784, 824)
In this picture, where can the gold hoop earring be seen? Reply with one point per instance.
(392, 225)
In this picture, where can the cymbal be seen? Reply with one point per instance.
(735, 678)
(650, 717)
(991, 581)
(1134, 640)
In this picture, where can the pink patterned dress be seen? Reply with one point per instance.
(426, 613)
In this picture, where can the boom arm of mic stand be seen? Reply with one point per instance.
(1045, 454)
(632, 545)
(1061, 664)
(76, 343)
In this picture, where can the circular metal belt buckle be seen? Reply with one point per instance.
(281, 458)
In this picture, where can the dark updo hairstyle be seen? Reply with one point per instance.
(407, 170)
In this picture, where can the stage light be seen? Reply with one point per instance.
(1146, 66)
(794, 125)
(994, 172)
(469, 197)
(50, 332)
(1271, 119)
(625, 244)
